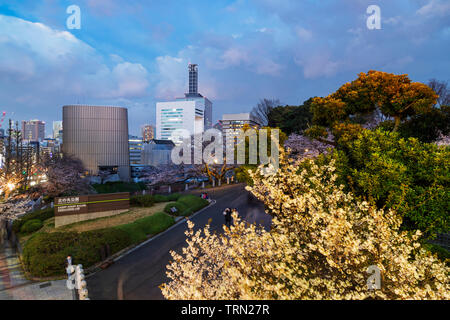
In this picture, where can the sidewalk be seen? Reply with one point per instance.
(11, 274)
(14, 285)
(51, 290)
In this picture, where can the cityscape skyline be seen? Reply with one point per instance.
(133, 55)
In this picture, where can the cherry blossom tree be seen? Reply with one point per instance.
(301, 146)
(321, 245)
(64, 175)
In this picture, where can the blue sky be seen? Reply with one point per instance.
(134, 53)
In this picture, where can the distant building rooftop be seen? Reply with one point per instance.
(236, 116)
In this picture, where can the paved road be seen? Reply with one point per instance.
(138, 275)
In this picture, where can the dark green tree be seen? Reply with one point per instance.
(291, 119)
(406, 175)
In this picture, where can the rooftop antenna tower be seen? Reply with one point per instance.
(193, 81)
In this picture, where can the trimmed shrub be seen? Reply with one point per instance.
(194, 203)
(187, 212)
(160, 198)
(139, 229)
(41, 215)
(142, 201)
(179, 206)
(134, 231)
(31, 226)
(119, 186)
(173, 197)
(155, 223)
(44, 254)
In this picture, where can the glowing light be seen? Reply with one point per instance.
(11, 186)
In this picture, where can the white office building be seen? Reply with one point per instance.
(184, 116)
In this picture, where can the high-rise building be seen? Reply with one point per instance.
(98, 136)
(147, 132)
(135, 146)
(57, 130)
(184, 116)
(33, 130)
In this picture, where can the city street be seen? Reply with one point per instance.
(138, 274)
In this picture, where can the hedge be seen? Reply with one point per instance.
(149, 200)
(41, 215)
(45, 254)
(162, 198)
(141, 228)
(142, 201)
(155, 223)
(194, 203)
(119, 186)
(180, 208)
(31, 226)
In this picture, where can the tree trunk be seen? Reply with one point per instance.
(397, 123)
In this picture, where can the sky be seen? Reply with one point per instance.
(135, 53)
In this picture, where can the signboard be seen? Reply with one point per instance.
(75, 205)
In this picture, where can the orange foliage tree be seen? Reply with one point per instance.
(395, 96)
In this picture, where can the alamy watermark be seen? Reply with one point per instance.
(209, 148)
(74, 20)
(374, 280)
(374, 20)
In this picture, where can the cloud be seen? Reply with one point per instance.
(317, 65)
(303, 33)
(302, 48)
(38, 59)
(104, 7)
(435, 8)
(170, 77)
(234, 57)
(131, 79)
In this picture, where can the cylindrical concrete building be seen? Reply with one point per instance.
(98, 136)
